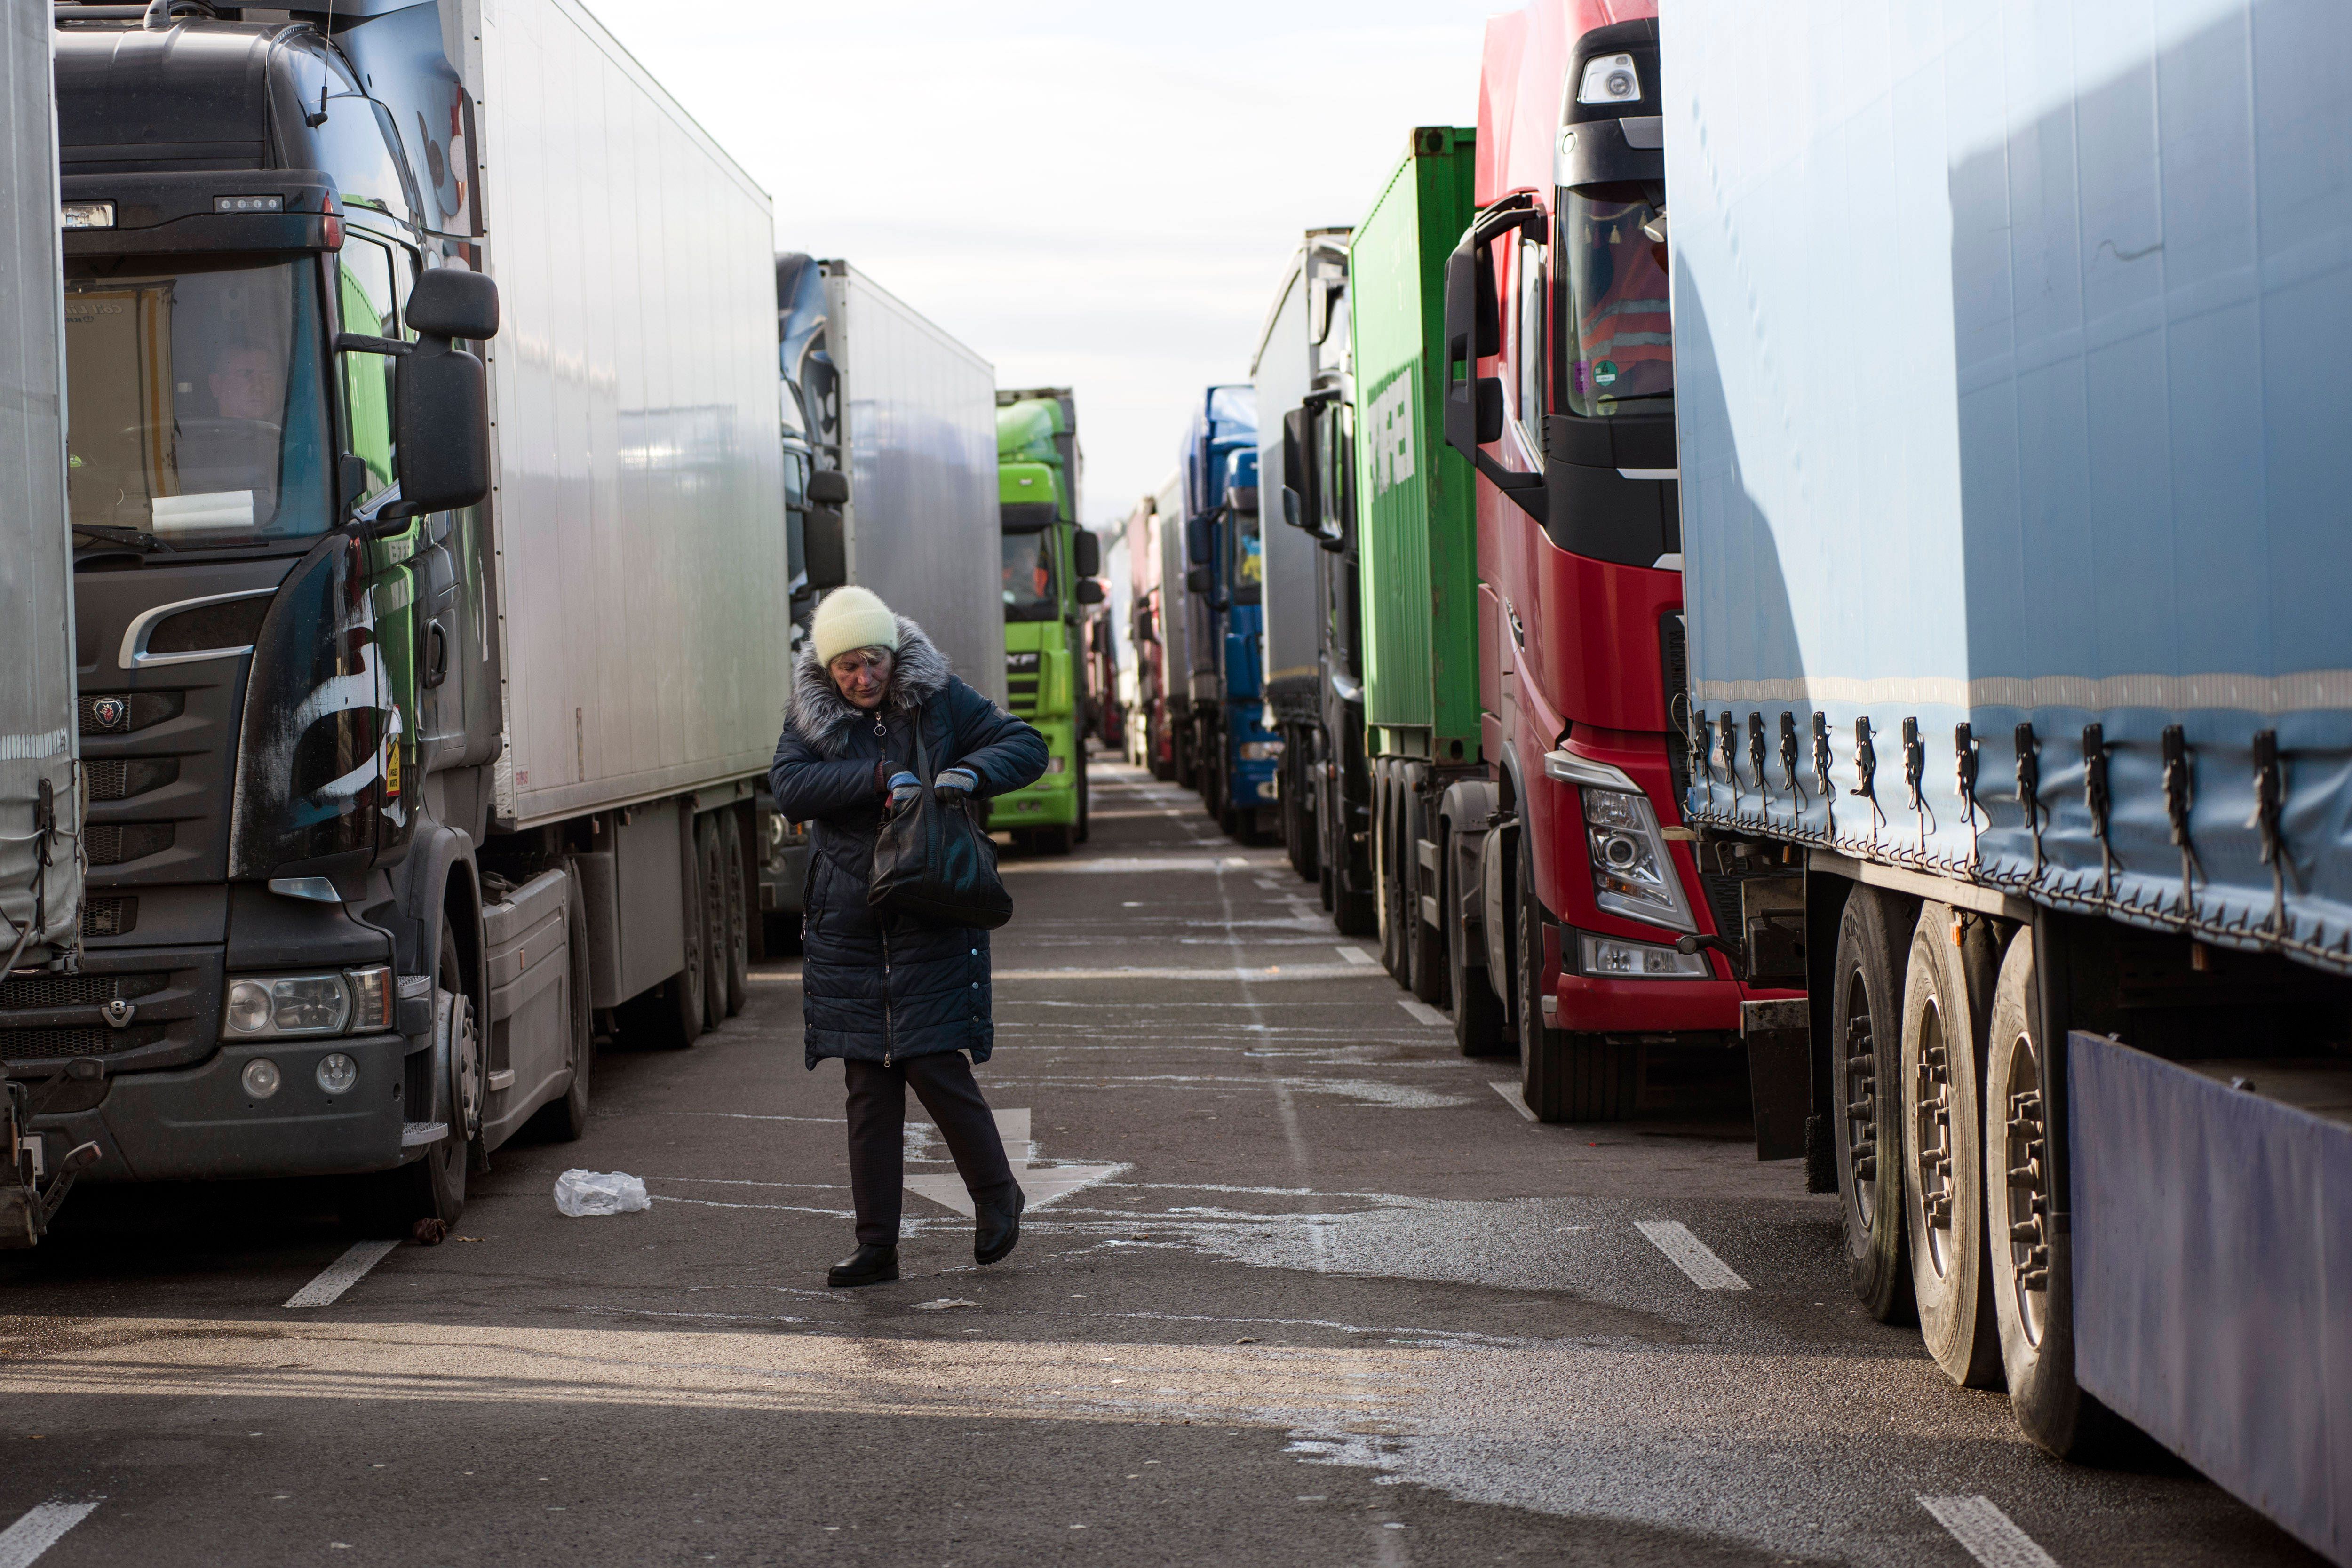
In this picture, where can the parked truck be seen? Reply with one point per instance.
(1232, 750)
(1557, 375)
(427, 581)
(41, 779)
(2019, 676)
(1314, 670)
(1163, 627)
(1051, 563)
(889, 457)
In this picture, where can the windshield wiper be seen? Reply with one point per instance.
(136, 538)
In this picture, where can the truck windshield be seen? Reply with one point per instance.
(1617, 338)
(1029, 577)
(197, 410)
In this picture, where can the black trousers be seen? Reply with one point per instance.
(878, 1121)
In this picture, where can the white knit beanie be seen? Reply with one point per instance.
(850, 618)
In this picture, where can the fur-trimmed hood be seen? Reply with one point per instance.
(820, 713)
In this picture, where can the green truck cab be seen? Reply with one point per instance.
(1050, 566)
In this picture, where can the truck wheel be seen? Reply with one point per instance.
(2031, 1280)
(1385, 873)
(711, 874)
(1478, 1011)
(1080, 762)
(434, 1188)
(1866, 1035)
(1430, 980)
(673, 1015)
(1058, 839)
(738, 928)
(1563, 1076)
(566, 1120)
(1943, 1122)
(1324, 879)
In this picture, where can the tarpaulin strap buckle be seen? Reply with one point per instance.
(1865, 771)
(2029, 787)
(2096, 798)
(2269, 819)
(1755, 754)
(1788, 761)
(1822, 766)
(2179, 799)
(1915, 775)
(1967, 755)
(1727, 736)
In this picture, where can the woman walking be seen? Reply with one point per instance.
(897, 999)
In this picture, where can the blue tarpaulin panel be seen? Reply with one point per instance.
(2213, 1280)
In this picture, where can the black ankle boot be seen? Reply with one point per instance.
(999, 1227)
(866, 1266)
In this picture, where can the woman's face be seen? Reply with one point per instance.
(863, 675)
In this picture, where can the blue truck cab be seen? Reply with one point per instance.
(1237, 754)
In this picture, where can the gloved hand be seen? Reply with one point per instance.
(904, 787)
(956, 782)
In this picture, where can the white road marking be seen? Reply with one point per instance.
(1038, 1187)
(1129, 865)
(1513, 1098)
(1690, 1255)
(1422, 1012)
(1354, 954)
(339, 1276)
(1140, 971)
(39, 1529)
(1990, 1535)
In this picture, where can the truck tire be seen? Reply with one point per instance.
(1943, 1125)
(2031, 1276)
(1079, 763)
(1388, 875)
(432, 1190)
(1564, 1076)
(711, 866)
(1058, 839)
(738, 964)
(1478, 1012)
(1866, 1039)
(671, 1016)
(1430, 981)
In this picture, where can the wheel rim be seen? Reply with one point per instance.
(2023, 1148)
(466, 1061)
(1861, 1103)
(1931, 1138)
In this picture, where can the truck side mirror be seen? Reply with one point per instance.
(441, 419)
(1200, 580)
(451, 302)
(824, 546)
(1474, 330)
(828, 486)
(1090, 591)
(1200, 546)
(1087, 557)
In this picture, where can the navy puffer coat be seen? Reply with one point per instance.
(879, 987)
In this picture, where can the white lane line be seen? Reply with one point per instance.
(39, 1529)
(1130, 865)
(338, 1276)
(1990, 1535)
(1422, 1012)
(1513, 1098)
(1354, 954)
(1690, 1255)
(1144, 971)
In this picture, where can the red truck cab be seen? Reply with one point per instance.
(1559, 388)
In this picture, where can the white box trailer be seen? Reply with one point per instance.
(919, 422)
(643, 627)
(40, 819)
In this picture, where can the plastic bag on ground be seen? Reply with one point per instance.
(581, 1193)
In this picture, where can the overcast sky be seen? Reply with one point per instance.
(1101, 195)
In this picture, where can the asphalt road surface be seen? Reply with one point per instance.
(1298, 1285)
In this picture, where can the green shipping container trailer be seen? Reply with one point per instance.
(1050, 565)
(1418, 549)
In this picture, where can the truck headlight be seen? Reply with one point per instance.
(1609, 78)
(1614, 958)
(1633, 874)
(280, 1006)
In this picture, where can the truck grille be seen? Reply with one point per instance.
(1723, 901)
(122, 778)
(113, 844)
(1021, 675)
(76, 989)
(61, 1045)
(120, 712)
(109, 917)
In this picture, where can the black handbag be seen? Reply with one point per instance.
(933, 860)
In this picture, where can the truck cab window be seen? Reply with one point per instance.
(1528, 352)
(196, 407)
(367, 293)
(1617, 338)
(1029, 594)
(359, 145)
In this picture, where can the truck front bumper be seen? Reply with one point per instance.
(1595, 1006)
(1048, 802)
(199, 1123)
